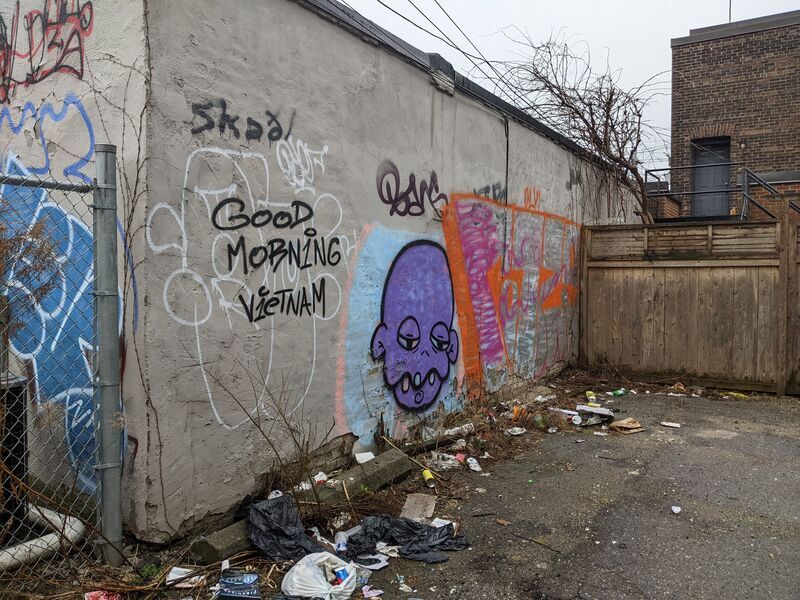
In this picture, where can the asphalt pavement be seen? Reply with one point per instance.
(594, 520)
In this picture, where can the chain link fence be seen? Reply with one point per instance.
(54, 313)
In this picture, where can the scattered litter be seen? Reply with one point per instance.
(636, 472)
(369, 592)
(502, 522)
(274, 527)
(238, 584)
(465, 429)
(542, 399)
(381, 561)
(676, 510)
(274, 494)
(418, 507)
(405, 588)
(417, 541)
(340, 521)
(480, 490)
(737, 395)
(601, 433)
(518, 413)
(303, 486)
(630, 431)
(320, 575)
(677, 395)
(485, 474)
(427, 477)
(590, 394)
(459, 444)
(474, 465)
(340, 542)
(530, 480)
(619, 392)
(461, 457)
(580, 441)
(442, 461)
(390, 551)
(569, 467)
(552, 430)
(485, 455)
(362, 457)
(625, 425)
(515, 431)
(320, 478)
(594, 404)
(671, 424)
(100, 595)
(576, 420)
(678, 387)
(181, 578)
(437, 522)
(603, 412)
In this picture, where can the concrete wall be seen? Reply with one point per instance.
(324, 241)
(72, 77)
(330, 239)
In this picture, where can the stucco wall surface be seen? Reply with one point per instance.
(331, 240)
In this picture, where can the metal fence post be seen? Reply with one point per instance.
(107, 388)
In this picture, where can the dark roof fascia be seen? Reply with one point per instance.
(714, 32)
(368, 31)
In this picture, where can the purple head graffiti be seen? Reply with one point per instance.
(415, 337)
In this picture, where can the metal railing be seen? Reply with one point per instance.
(61, 423)
(746, 180)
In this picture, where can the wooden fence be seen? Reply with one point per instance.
(713, 302)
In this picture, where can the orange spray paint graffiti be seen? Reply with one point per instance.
(514, 275)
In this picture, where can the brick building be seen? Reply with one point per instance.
(735, 105)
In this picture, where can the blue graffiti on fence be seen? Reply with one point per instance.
(54, 332)
(38, 119)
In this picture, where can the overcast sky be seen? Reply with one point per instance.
(633, 34)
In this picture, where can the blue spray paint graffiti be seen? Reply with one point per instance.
(38, 119)
(366, 394)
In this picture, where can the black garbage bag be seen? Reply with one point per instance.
(417, 541)
(275, 528)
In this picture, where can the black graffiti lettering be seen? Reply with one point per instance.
(261, 218)
(298, 253)
(334, 254)
(225, 218)
(254, 130)
(411, 201)
(301, 302)
(200, 110)
(227, 121)
(282, 220)
(276, 131)
(235, 221)
(495, 191)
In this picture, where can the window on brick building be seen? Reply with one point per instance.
(711, 175)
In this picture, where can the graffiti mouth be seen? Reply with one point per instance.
(417, 382)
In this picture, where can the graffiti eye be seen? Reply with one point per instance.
(408, 334)
(440, 337)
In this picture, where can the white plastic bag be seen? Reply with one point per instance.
(307, 578)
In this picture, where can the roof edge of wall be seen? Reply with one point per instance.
(370, 32)
(713, 32)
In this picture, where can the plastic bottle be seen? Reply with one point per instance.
(619, 392)
(340, 539)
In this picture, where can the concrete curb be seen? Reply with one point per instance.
(384, 469)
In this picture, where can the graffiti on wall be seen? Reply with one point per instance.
(398, 359)
(42, 42)
(54, 338)
(211, 115)
(41, 121)
(415, 338)
(256, 251)
(514, 274)
(493, 191)
(412, 199)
